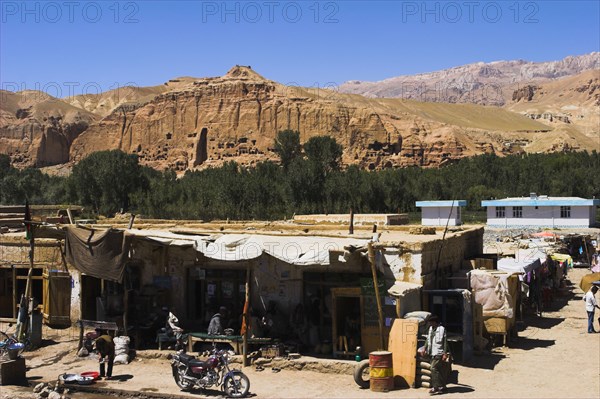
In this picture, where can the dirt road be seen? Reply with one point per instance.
(553, 357)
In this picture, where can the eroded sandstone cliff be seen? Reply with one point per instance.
(190, 123)
(236, 117)
(37, 129)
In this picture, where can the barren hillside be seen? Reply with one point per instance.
(104, 103)
(190, 123)
(480, 83)
(37, 129)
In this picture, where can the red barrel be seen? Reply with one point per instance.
(381, 371)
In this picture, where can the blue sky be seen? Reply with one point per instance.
(99, 45)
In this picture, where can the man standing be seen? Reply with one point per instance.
(436, 346)
(590, 307)
(106, 352)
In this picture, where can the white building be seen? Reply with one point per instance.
(436, 213)
(541, 211)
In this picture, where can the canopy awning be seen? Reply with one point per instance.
(98, 253)
(295, 250)
(513, 265)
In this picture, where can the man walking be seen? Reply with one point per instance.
(590, 307)
(436, 347)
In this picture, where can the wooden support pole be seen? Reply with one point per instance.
(125, 305)
(351, 230)
(23, 319)
(70, 215)
(245, 318)
(80, 335)
(31, 255)
(377, 297)
(131, 221)
(15, 299)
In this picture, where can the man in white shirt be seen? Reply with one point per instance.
(436, 346)
(590, 307)
(173, 328)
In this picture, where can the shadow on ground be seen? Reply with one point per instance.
(487, 361)
(540, 322)
(214, 392)
(121, 377)
(459, 388)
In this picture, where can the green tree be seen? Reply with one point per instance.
(287, 146)
(105, 180)
(4, 165)
(324, 151)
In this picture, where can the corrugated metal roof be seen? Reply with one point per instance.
(542, 201)
(425, 204)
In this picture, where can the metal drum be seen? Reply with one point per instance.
(381, 371)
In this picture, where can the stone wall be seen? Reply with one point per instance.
(416, 263)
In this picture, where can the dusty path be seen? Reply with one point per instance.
(553, 357)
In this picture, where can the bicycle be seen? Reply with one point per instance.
(7, 340)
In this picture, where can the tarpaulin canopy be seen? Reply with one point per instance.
(98, 253)
(563, 258)
(512, 265)
(294, 250)
(544, 234)
(165, 237)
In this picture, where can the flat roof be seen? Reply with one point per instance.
(542, 201)
(445, 203)
(394, 234)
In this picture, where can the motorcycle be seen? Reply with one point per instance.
(191, 373)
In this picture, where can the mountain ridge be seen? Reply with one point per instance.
(193, 123)
(481, 83)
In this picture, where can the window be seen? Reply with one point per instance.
(565, 211)
(500, 212)
(517, 211)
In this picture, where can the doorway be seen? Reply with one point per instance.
(91, 288)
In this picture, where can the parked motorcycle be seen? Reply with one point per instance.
(191, 373)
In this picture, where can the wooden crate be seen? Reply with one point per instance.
(12, 372)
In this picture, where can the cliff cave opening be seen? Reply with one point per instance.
(202, 148)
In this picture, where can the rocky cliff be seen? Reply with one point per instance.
(480, 83)
(37, 129)
(236, 117)
(191, 123)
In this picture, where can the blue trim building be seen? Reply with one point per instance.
(541, 211)
(438, 213)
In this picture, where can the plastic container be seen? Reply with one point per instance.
(14, 350)
(85, 380)
(93, 374)
(69, 378)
